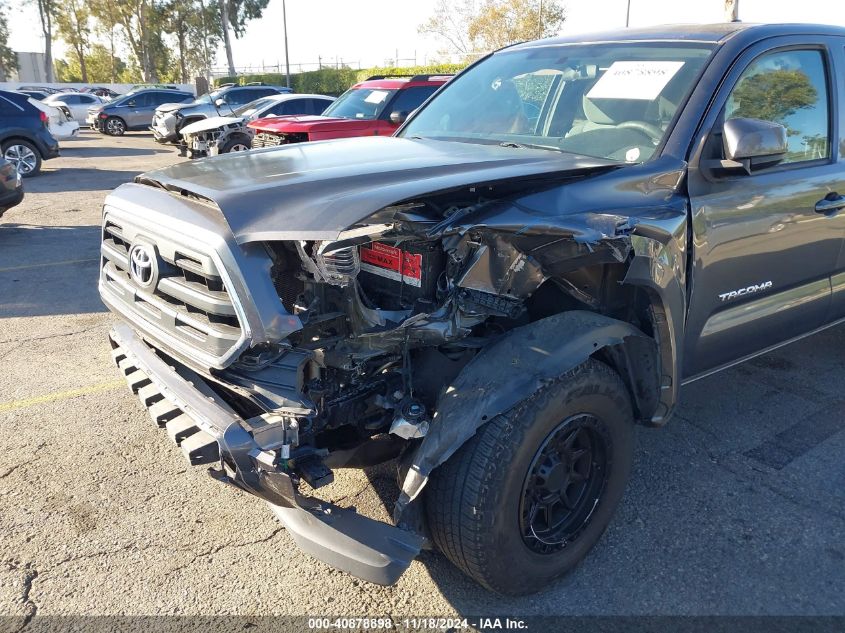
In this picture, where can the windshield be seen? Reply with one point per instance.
(613, 101)
(248, 109)
(360, 103)
(209, 97)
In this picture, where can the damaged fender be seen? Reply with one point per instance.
(525, 359)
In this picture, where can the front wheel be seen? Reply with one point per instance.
(114, 126)
(237, 143)
(24, 156)
(527, 497)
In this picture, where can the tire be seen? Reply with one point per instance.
(238, 143)
(24, 156)
(482, 506)
(114, 126)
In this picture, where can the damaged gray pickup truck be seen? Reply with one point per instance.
(548, 249)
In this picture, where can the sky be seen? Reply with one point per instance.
(369, 32)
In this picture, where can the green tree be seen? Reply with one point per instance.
(73, 27)
(774, 95)
(469, 27)
(197, 32)
(503, 22)
(8, 59)
(141, 22)
(449, 24)
(107, 25)
(100, 65)
(234, 15)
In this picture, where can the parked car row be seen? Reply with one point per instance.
(169, 119)
(25, 138)
(375, 107)
(132, 111)
(223, 134)
(229, 119)
(238, 118)
(41, 92)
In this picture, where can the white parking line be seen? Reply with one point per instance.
(59, 395)
(42, 265)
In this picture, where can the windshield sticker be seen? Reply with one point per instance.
(634, 80)
(376, 96)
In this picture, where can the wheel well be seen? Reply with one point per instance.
(28, 141)
(642, 367)
(599, 289)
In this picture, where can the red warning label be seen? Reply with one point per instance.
(393, 263)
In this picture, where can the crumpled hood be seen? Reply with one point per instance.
(313, 191)
(211, 123)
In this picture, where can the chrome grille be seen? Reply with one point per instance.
(188, 302)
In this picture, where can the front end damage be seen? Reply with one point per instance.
(209, 137)
(397, 337)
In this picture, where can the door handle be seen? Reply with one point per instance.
(830, 204)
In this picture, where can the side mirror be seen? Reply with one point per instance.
(750, 143)
(220, 101)
(398, 117)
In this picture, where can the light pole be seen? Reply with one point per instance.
(285, 27)
(628, 14)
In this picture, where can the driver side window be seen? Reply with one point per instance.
(788, 88)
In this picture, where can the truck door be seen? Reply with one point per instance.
(766, 243)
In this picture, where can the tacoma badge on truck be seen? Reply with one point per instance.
(750, 290)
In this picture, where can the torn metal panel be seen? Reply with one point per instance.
(504, 373)
(500, 269)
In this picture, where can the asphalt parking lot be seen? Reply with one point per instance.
(736, 507)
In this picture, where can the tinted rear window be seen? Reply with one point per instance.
(15, 97)
(16, 105)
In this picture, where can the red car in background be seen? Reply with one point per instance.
(375, 107)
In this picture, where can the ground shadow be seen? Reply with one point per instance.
(48, 270)
(707, 524)
(77, 179)
(95, 151)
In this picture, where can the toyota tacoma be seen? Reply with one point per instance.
(552, 245)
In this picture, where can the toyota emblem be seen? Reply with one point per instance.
(142, 265)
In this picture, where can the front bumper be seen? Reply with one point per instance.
(209, 431)
(161, 136)
(164, 129)
(202, 148)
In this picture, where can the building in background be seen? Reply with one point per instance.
(30, 68)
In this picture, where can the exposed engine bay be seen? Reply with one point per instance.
(393, 309)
